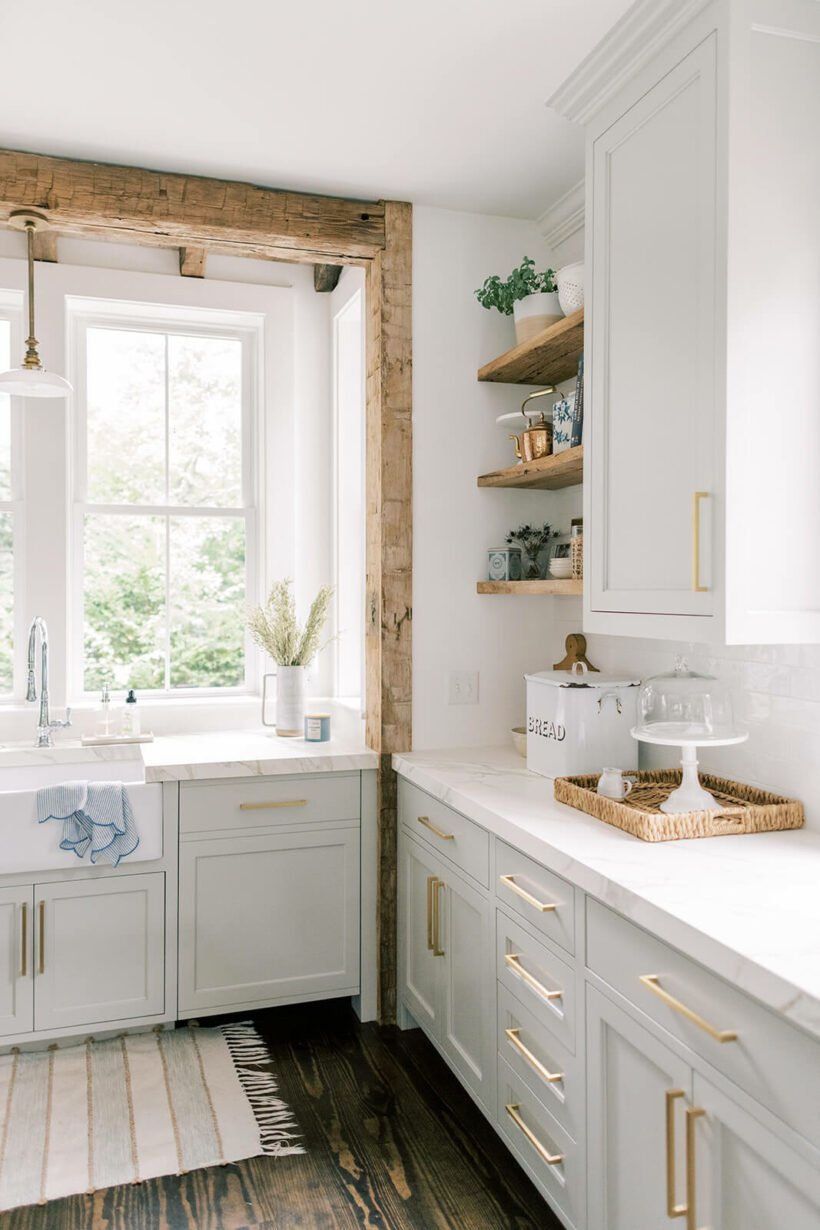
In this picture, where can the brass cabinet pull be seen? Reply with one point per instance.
(652, 983)
(672, 1209)
(551, 1159)
(513, 960)
(532, 1060)
(24, 931)
(697, 496)
(42, 910)
(430, 882)
(693, 1113)
(543, 906)
(425, 820)
(438, 951)
(271, 806)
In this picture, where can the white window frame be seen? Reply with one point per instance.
(246, 327)
(11, 309)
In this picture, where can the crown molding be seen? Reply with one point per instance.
(622, 53)
(564, 217)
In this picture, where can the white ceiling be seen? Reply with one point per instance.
(438, 102)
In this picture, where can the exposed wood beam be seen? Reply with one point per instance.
(90, 198)
(45, 246)
(326, 277)
(192, 262)
(389, 551)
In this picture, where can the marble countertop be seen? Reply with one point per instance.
(746, 907)
(173, 758)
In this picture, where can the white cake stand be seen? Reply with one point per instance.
(690, 795)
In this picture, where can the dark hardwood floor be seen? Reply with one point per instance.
(394, 1143)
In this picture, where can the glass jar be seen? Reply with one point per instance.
(685, 706)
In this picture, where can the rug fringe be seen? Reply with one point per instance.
(277, 1126)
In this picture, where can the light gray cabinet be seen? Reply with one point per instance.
(16, 967)
(269, 902)
(445, 956)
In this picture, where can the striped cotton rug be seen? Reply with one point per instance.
(76, 1118)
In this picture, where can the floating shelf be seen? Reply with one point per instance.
(558, 589)
(547, 358)
(547, 474)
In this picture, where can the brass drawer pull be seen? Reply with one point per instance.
(425, 820)
(652, 983)
(672, 1209)
(42, 909)
(543, 906)
(272, 806)
(513, 960)
(531, 1059)
(438, 951)
(430, 882)
(24, 931)
(697, 496)
(551, 1159)
(693, 1113)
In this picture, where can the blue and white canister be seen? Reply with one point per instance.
(562, 415)
(317, 727)
(504, 564)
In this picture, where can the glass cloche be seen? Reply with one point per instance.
(684, 707)
(686, 710)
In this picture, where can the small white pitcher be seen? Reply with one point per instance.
(613, 785)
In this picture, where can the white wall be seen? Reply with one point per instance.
(455, 438)
(775, 688)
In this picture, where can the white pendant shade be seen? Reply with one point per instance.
(33, 382)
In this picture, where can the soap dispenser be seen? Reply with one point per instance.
(131, 716)
(104, 715)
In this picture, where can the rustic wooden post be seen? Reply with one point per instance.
(389, 537)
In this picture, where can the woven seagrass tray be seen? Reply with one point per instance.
(744, 809)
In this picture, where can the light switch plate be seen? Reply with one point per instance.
(462, 688)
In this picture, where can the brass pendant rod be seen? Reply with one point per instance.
(32, 358)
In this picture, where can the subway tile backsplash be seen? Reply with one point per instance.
(776, 693)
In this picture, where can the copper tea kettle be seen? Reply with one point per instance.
(536, 439)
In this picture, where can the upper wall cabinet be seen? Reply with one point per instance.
(702, 499)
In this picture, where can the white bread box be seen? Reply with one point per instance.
(579, 721)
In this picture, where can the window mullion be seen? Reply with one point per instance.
(167, 520)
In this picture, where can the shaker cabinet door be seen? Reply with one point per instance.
(468, 1023)
(632, 1078)
(16, 960)
(421, 971)
(99, 950)
(269, 918)
(747, 1178)
(652, 470)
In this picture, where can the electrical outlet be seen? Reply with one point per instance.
(462, 688)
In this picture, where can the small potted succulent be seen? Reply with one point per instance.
(530, 298)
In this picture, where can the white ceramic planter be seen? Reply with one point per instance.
(290, 701)
(535, 313)
(570, 281)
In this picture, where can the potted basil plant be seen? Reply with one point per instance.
(531, 298)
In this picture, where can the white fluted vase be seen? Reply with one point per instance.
(290, 701)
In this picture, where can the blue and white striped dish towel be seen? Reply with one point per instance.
(95, 816)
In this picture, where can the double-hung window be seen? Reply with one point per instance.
(165, 510)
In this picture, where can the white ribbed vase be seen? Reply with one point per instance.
(290, 701)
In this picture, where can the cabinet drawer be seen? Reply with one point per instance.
(539, 1059)
(538, 977)
(542, 898)
(773, 1061)
(549, 1155)
(211, 806)
(450, 834)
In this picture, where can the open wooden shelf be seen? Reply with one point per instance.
(547, 474)
(558, 589)
(547, 358)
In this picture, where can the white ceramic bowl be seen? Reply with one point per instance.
(519, 738)
(560, 568)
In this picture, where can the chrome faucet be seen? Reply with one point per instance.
(44, 723)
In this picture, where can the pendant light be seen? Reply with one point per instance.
(31, 379)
